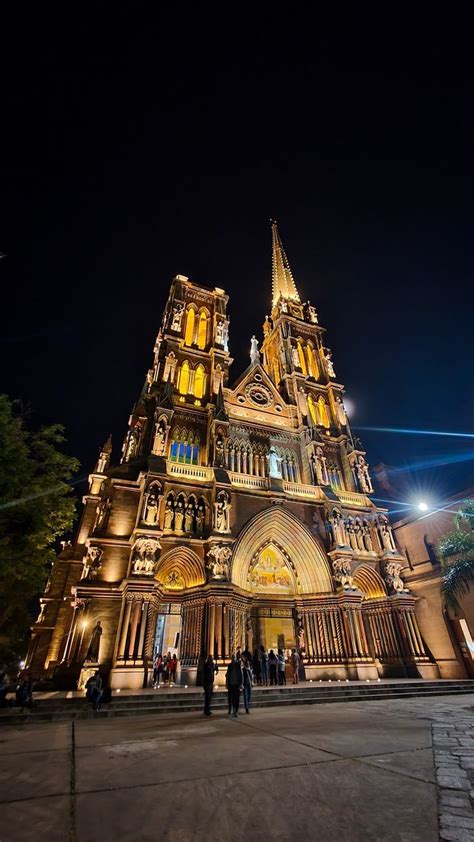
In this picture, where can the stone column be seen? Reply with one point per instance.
(133, 632)
(124, 631)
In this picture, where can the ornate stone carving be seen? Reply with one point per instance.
(92, 563)
(94, 645)
(393, 578)
(385, 532)
(177, 317)
(151, 503)
(144, 556)
(159, 437)
(254, 352)
(342, 573)
(362, 475)
(338, 530)
(329, 363)
(222, 508)
(102, 513)
(274, 463)
(218, 561)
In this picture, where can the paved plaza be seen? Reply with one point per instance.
(345, 771)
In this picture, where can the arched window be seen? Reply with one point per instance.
(184, 378)
(313, 411)
(323, 412)
(311, 359)
(185, 447)
(202, 331)
(199, 381)
(189, 333)
(302, 359)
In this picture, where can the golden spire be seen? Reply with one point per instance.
(282, 280)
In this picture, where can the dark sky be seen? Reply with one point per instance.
(140, 143)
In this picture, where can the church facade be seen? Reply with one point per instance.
(240, 514)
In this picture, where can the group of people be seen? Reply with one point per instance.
(164, 669)
(23, 688)
(264, 668)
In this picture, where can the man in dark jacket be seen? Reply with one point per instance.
(209, 670)
(233, 680)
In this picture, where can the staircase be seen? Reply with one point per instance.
(59, 708)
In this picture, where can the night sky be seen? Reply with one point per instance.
(138, 144)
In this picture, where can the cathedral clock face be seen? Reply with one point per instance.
(258, 394)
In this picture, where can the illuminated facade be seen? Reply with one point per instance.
(239, 515)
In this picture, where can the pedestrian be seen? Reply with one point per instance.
(273, 664)
(24, 691)
(238, 655)
(247, 684)
(246, 655)
(264, 663)
(166, 669)
(210, 669)
(157, 670)
(257, 667)
(94, 690)
(295, 662)
(3, 689)
(281, 668)
(233, 680)
(173, 668)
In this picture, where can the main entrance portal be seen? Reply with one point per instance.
(277, 632)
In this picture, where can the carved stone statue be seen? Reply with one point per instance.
(254, 352)
(200, 520)
(102, 514)
(321, 467)
(179, 516)
(359, 534)
(150, 506)
(132, 441)
(296, 358)
(302, 401)
(92, 563)
(220, 332)
(159, 440)
(312, 314)
(368, 543)
(189, 518)
(267, 326)
(300, 636)
(385, 533)
(341, 538)
(144, 556)
(351, 532)
(169, 515)
(218, 561)
(178, 310)
(393, 578)
(283, 305)
(94, 644)
(329, 363)
(274, 463)
(222, 508)
(219, 452)
(363, 476)
(342, 573)
(341, 412)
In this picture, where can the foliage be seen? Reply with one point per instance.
(36, 508)
(457, 556)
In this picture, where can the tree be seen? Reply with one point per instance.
(36, 508)
(457, 556)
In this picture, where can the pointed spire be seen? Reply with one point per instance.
(107, 447)
(166, 401)
(282, 279)
(220, 413)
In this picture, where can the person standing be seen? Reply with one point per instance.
(166, 669)
(233, 680)
(209, 670)
(173, 668)
(247, 684)
(273, 664)
(295, 663)
(257, 667)
(264, 662)
(157, 670)
(281, 668)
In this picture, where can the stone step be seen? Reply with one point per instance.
(146, 704)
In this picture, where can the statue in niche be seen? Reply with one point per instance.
(222, 508)
(200, 520)
(368, 543)
(92, 563)
(351, 532)
(359, 534)
(94, 645)
(363, 476)
(274, 463)
(102, 513)
(254, 352)
(179, 516)
(393, 578)
(385, 532)
(144, 556)
(220, 329)
(341, 412)
(296, 359)
(267, 326)
(178, 310)
(315, 524)
(219, 452)
(329, 363)
(342, 573)
(339, 529)
(189, 518)
(218, 561)
(150, 507)
(42, 613)
(169, 514)
(321, 467)
(302, 401)
(159, 440)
